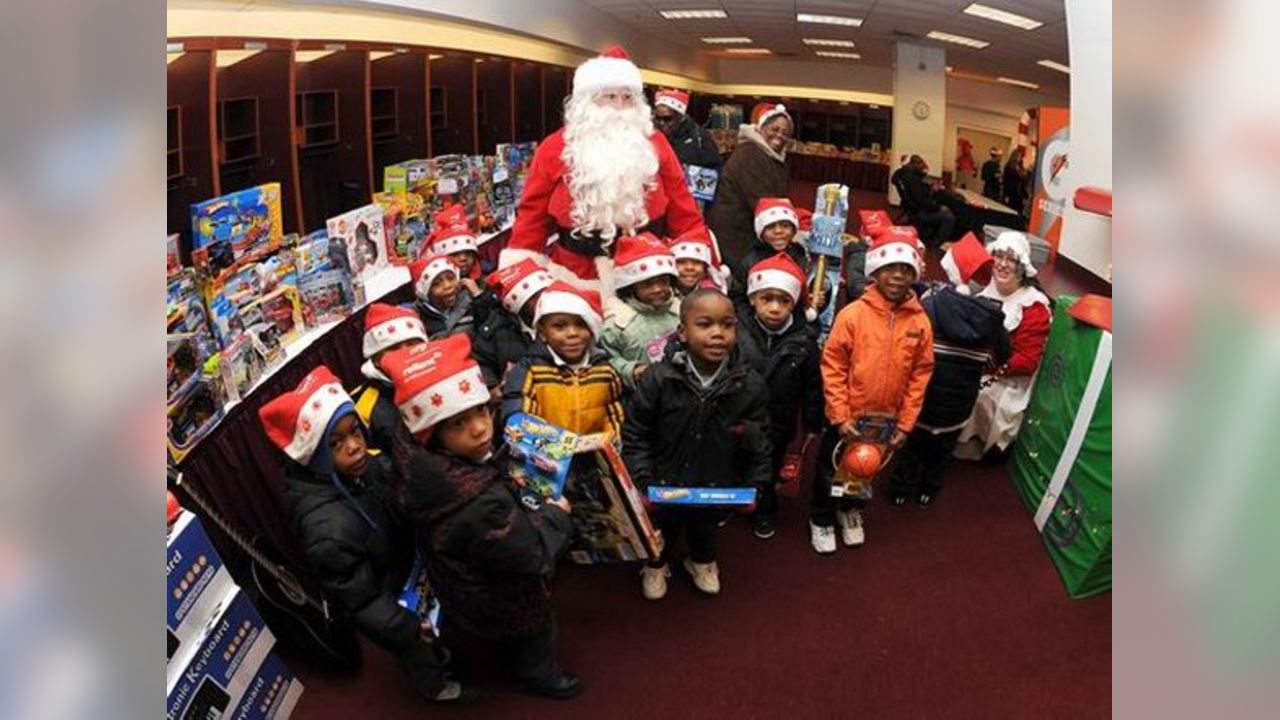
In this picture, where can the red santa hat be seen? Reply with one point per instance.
(561, 297)
(611, 69)
(779, 272)
(515, 284)
(435, 381)
(771, 210)
(967, 260)
(897, 245)
(425, 271)
(453, 238)
(700, 244)
(1015, 242)
(677, 100)
(297, 420)
(387, 325)
(873, 223)
(640, 258)
(771, 113)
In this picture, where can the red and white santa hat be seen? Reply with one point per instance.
(611, 69)
(967, 260)
(640, 258)
(561, 297)
(1015, 242)
(773, 209)
(425, 271)
(677, 100)
(779, 272)
(454, 238)
(873, 223)
(387, 325)
(515, 284)
(700, 244)
(897, 245)
(772, 113)
(296, 421)
(435, 381)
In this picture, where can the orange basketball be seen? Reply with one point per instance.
(861, 460)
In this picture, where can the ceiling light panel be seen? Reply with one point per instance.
(957, 39)
(1054, 66)
(727, 40)
(829, 19)
(825, 42)
(1002, 16)
(842, 55)
(1019, 83)
(693, 14)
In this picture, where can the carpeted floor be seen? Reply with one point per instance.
(953, 612)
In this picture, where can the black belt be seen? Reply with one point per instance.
(592, 245)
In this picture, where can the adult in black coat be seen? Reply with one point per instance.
(691, 142)
(991, 175)
(934, 221)
(968, 338)
(1017, 181)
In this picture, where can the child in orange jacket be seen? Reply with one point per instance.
(877, 361)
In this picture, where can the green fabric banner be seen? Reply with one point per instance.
(1074, 513)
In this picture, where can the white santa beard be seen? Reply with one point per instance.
(611, 163)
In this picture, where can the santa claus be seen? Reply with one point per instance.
(605, 174)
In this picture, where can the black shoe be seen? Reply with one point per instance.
(897, 499)
(924, 500)
(562, 688)
(763, 527)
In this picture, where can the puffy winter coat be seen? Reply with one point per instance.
(638, 335)
(583, 401)
(788, 364)
(498, 344)
(753, 171)
(878, 359)
(680, 433)
(693, 145)
(375, 404)
(968, 336)
(488, 556)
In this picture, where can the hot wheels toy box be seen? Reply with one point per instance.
(217, 672)
(245, 220)
(196, 581)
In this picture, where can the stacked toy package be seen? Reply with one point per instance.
(452, 175)
(405, 226)
(410, 176)
(219, 654)
(238, 223)
(326, 287)
(517, 157)
(482, 172)
(610, 521)
(196, 391)
(363, 231)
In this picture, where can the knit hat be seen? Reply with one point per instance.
(772, 113)
(874, 223)
(453, 238)
(640, 258)
(677, 100)
(425, 271)
(435, 381)
(779, 272)
(896, 245)
(611, 69)
(515, 284)
(387, 325)
(700, 244)
(967, 260)
(1017, 243)
(771, 210)
(561, 297)
(297, 420)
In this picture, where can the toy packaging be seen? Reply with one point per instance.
(452, 174)
(418, 598)
(222, 662)
(404, 226)
(193, 412)
(242, 366)
(826, 245)
(242, 221)
(362, 230)
(517, 157)
(196, 580)
(702, 182)
(327, 296)
(704, 496)
(609, 518)
(272, 694)
(173, 259)
(406, 177)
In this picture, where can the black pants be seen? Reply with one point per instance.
(935, 226)
(426, 664)
(922, 462)
(823, 507)
(767, 496)
(696, 525)
(532, 659)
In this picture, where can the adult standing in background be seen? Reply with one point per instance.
(991, 175)
(756, 169)
(692, 142)
(1016, 181)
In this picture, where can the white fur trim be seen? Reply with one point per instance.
(422, 288)
(772, 113)
(569, 303)
(520, 294)
(691, 251)
(456, 243)
(1013, 305)
(397, 330)
(446, 398)
(810, 314)
(953, 271)
(599, 73)
(510, 256)
(892, 253)
(313, 419)
(776, 214)
(604, 270)
(1017, 243)
(774, 279)
(670, 101)
(373, 372)
(643, 269)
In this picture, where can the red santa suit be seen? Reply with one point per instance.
(543, 225)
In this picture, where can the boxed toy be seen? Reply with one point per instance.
(418, 598)
(196, 581)
(453, 186)
(609, 518)
(702, 182)
(362, 230)
(272, 694)
(713, 496)
(222, 663)
(404, 225)
(194, 411)
(243, 221)
(327, 296)
(405, 177)
(173, 259)
(517, 157)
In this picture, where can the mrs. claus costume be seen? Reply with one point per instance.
(579, 251)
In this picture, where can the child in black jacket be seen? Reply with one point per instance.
(698, 418)
(508, 333)
(386, 327)
(783, 348)
(488, 555)
(341, 510)
(968, 338)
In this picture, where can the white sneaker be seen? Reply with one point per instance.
(653, 581)
(823, 538)
(706, 576)
(850, 527)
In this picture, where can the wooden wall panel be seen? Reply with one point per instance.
(407, 74)
(192, 85)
